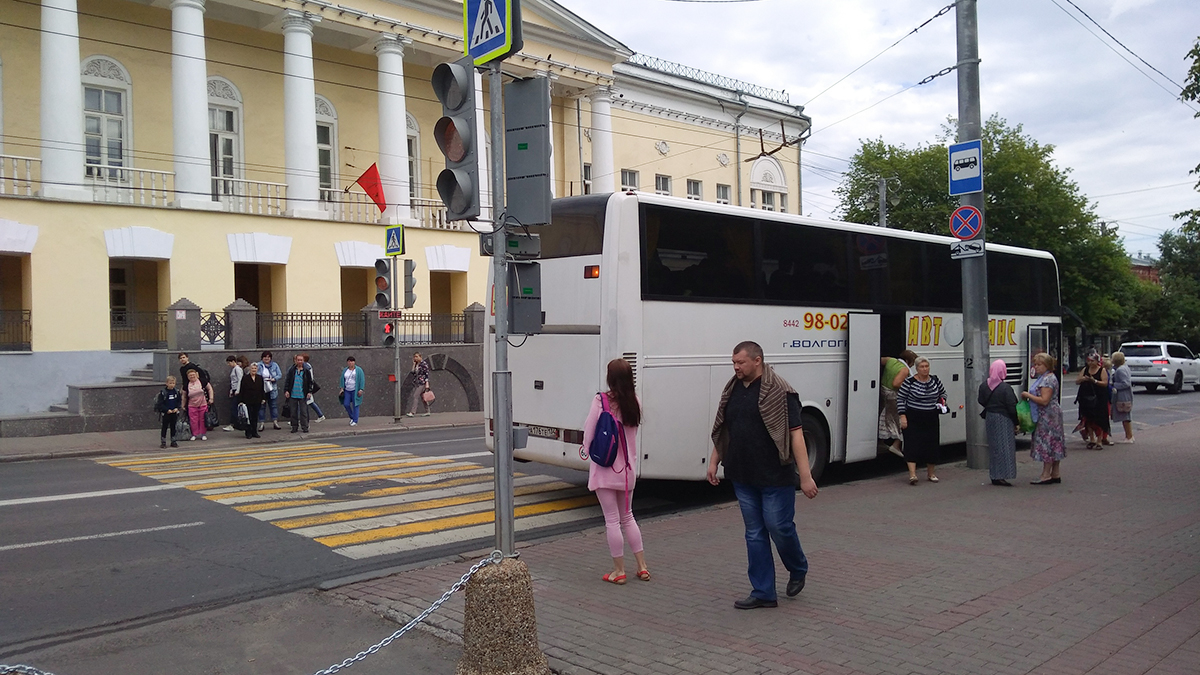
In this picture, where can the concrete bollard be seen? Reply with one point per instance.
(499, 626)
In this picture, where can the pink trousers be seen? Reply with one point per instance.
(618, 518)
(196, 419)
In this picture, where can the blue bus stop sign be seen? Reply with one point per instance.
(966, 168)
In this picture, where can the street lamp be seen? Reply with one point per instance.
(883, 198)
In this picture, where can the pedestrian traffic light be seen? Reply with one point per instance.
(410, 283)
(383, 283)
(389, 333)
(455, 133)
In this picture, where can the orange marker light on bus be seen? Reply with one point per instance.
(591, 272)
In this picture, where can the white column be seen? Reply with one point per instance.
(393, 127)
(550, 118)
(603, 172)
(61, 104)
(189, 107)
(485, 163)
(300, 117)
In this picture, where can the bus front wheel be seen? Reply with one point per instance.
(817, 442)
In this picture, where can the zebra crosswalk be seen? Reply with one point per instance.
(362, 502)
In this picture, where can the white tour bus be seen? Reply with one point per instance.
(672, 285)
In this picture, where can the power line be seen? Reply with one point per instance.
(1158, 84)
(942, 11)
(1129, 192)
(1114, 39)
(927, 80)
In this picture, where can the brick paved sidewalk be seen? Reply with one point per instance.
(146, 440)
(1098, 575)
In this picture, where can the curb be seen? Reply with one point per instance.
(75, 454)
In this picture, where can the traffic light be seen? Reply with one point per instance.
(458, 183)
(389, 333)
(410, 282)
(383, 283)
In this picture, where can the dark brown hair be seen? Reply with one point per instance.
(621, 393)
(909, 356)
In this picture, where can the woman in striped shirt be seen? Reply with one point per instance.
(917, 402)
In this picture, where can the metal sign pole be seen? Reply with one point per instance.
(396, 388)
(501, 378)
(976, 357)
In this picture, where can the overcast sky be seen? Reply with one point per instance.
(1117, 130)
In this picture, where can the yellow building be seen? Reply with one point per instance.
(153, 150)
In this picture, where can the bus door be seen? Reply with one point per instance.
(1037, 341)
(862, 387)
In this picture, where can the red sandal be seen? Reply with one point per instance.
(644, 575)
(619, 579)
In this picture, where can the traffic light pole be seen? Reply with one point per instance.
(396, 386)
(976, 357)
(501, 377)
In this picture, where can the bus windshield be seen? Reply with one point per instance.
(576, 227)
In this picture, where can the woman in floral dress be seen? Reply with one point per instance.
(1049, 442)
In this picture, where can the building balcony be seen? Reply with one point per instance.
(123, 185)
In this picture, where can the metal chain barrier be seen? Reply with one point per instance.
(22, 669)
(494, 558)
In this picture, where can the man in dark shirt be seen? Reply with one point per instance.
(758, 437)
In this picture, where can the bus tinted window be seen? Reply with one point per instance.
(805, 265)
(693, 254)
(1022, 285)
(576, 227)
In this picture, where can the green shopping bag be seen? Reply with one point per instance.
(1024, 417)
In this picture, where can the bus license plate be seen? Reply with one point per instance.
(543, 432)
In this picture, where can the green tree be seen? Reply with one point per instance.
(1029, 202)
(1174, 313)
(1191, 86)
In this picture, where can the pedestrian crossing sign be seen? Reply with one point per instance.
(395, 240)
(492, 29)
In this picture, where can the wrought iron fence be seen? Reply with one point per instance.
(213, 328)
(138, 330)
(15, 330)
(431, 328)
(311, 329)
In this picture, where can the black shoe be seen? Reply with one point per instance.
(754, 603)
(294, 431)
(795, 586)
(162, 444)
(1056, 481)
(1001, 481)
(1048, 481)
(174, 444)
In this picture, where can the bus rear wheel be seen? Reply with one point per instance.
(817, 442)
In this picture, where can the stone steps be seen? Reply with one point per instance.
(123, 405)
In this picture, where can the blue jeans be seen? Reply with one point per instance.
(270, 404)
(349, 402)
(770, 511)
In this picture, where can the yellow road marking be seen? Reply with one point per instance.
(231, 453)
(236, 470)
(315, 484)
(453, 522)
(378, 492)
(314, 474)
(343, 516)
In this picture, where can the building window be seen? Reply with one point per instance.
(723, 192)
(782, 203)
(224, 136)
(119, 283)
(629, 179)
(325, 158)
(414, 155)
(662, 184)
(768, 201)
(104, 132)
(695, 189)
(587, 179)
(327, 163)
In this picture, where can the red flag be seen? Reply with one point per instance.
(371, 184)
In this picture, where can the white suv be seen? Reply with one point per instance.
(1167, 363)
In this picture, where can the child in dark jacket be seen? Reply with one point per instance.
(169, 401)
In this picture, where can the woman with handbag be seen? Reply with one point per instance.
(614, 484)
(1122, 405)
(999, 403)
(1093, 402)
(199, 397)
(919, 401)
(1049, 443)
(252, 395)
(421, 391)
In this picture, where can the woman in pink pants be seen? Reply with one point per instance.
(614, 485)
(199, 397)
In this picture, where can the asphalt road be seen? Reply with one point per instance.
(124, 551)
